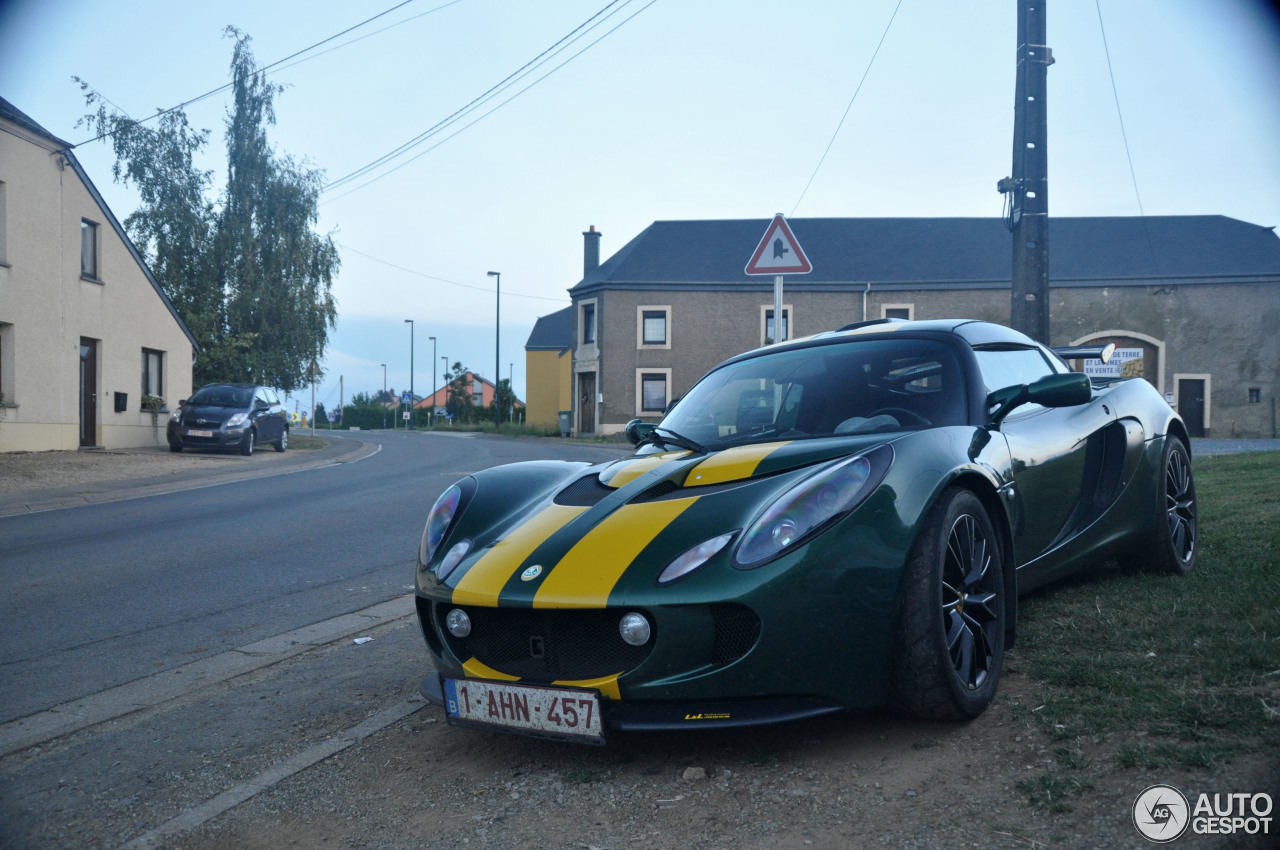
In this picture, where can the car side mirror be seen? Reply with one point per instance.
(1064, 390)
(638, 429)
(259, 404)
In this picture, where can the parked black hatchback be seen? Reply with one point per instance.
(229, 416)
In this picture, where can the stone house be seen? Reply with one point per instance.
(1193, 302)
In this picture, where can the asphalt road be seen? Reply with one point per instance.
(169, 635)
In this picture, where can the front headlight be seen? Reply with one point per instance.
(176, 416)
(237, 420)
(810, 505)
(438, 522)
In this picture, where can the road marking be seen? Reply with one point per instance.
(167, 685)
(211, 808)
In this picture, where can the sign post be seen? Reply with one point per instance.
(777, 254)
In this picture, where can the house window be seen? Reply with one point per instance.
(653, 326)
(588, 323)
(88, 249)
(477, 393)
(3, 206)
(652, 391)
(766, 324)
(1255, 395)
(898, 311)
(6, 363)
(153, 372)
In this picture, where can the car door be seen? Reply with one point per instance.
(264, 417)
(1047, 447)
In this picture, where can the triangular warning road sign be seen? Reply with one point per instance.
(779, 252)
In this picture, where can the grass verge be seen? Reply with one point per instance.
(1174, 670)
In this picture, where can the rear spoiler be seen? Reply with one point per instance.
(1088, 352)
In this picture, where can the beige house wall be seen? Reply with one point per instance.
(46, 307)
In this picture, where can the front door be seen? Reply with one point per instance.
(1191, 404)
(586, 402)
(88, 392)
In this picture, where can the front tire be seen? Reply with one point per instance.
(949, 646)
(1176, 542)
(175, 447)
(246, 447)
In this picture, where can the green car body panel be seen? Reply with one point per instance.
(812, 627)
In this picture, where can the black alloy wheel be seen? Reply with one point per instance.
(949, 645)
(282, 443)
(246, 447)
(1176, 540)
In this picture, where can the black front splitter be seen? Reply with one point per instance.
(667, 717)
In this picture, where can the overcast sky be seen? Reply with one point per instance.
(688, 109)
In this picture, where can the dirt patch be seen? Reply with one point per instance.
(24, 471)
(846, 781)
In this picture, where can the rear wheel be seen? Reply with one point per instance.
(282, 443)
(1176, 542)
(949, 645)
(246, 447)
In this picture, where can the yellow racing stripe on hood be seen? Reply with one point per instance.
(487, 576)
(732, 464)
(623, 472)
(587, 573)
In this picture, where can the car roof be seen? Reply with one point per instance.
(974, 332)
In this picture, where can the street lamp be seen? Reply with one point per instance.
(409, 322)
(431, 417)
(385, 397)
(446, 375)
(497, 329)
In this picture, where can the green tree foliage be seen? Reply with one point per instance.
(321, 417)
(459, 401)
(364, 412)
(505, 399)
(249, 276)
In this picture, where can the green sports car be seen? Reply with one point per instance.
(831, 523)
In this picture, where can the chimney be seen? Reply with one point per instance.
(590, 251)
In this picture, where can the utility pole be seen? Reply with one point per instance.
(1027, 190)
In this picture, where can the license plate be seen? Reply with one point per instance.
(562, 712)
(192, 432)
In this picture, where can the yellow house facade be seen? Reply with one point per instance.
(548, 360)
(85, 330)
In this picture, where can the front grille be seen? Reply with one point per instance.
(548, 645)
(737, 630)
(583, 493)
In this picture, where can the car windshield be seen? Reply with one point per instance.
(854, 387)
(222, 396)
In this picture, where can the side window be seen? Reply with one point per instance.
(588, 323)
(1007, 367)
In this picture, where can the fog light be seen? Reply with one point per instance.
(458, 623)
(634, 629)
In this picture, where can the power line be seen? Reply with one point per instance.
(510, 80)
(443, 279)
(823, 158)
(490, 92)
(294, 55)
(1133, 174)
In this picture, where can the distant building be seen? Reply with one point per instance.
(1195, 301)
(548, 359)
(85, 330)
(480, 391)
